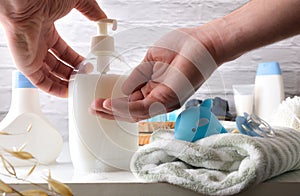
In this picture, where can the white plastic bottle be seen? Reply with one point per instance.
(43, 141)
(97, 144)
(269, 90)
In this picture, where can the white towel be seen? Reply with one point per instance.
(223, 164)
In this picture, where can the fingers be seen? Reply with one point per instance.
(138, 77)
(155, 62)
(59, 63)
(169, 87)
(90, 9)
(136, 95)
(159, 99)
(180, 76)
(48, 82)
(64, 52)
(110, 117)
(61, 59)
(119, 109)
(57, 67)
(98, 108)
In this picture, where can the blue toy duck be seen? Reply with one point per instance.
(197, 122)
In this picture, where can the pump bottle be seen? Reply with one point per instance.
(97, 144)
(42, 140)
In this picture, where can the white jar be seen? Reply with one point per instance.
(269, 90)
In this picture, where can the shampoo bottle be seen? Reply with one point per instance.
(269, 90)
(26, 127)
(97, 144)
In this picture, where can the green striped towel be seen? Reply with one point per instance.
(222, 164)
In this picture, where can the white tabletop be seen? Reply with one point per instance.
(125, 183)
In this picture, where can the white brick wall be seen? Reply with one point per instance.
(166, 14)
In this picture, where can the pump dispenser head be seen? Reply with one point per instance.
(102, 25)
(102, 45)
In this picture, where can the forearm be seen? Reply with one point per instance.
(258, 23)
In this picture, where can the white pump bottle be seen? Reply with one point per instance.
(97, 144)
(43, 141)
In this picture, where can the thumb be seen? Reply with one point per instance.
(90, 9)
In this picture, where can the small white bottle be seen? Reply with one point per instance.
(43, 141)
(269, 90)
(97, 144)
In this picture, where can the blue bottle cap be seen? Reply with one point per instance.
(268, 68)
(20, 81)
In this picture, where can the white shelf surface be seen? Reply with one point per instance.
(124, 183)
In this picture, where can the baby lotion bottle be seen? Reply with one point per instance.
(26, 127)
(269, 90)
(97, 144)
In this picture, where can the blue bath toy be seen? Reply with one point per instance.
(197, 122)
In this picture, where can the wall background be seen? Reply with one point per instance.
(166, 14)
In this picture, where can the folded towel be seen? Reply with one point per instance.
(223, 164)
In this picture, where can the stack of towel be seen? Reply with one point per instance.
(222, 164)
(288, 113)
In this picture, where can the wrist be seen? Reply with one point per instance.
(209, 37)
(220, 38)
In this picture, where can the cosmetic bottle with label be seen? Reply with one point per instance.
(269, 90)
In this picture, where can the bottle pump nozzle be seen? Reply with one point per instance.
(103, 46)
(102, 25)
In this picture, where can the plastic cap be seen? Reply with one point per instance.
(102, 45)
(20, 81)
(102, 41)
(102, 25)
(268, 68)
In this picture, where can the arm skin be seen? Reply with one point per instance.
(37, 48)
(257, 23)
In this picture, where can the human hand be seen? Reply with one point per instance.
(37, 48)
(172, 70)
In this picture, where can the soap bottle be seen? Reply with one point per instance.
(26, 127)
(97, 144)
(269, 90)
